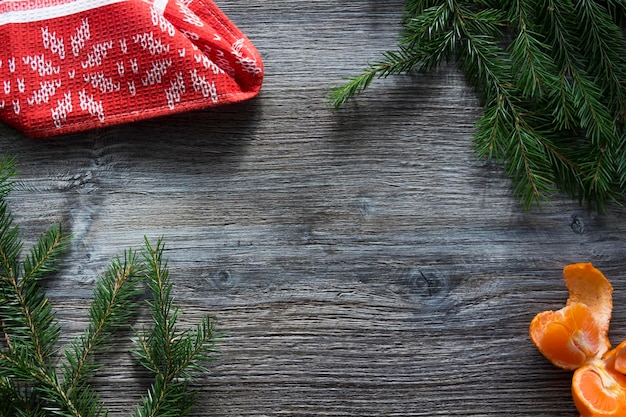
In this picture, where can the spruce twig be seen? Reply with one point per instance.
(173, 356)
(551, 77)
(31, 382)
(112, 307)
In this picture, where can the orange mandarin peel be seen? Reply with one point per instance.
(576, 338)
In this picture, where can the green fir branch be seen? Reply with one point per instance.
(45, 256)
(7, 173)
(601, 43)
(112, 307)
(173, 356)
(33, 384)
(395, 62)
(551, 77)
(29, 314)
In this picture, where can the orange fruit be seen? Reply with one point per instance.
(576, 338)
(577, 333)
(599, 391)
(569, 337)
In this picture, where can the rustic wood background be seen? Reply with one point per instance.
(362, 263)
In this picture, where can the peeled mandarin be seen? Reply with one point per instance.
(598, 392)
(576, 338)
(569, 337)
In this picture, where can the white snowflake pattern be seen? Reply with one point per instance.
(237, 46)
(224, 63)
(52, 43)
(249, 65)
(77, 41)
(63, 108)
(89, 104)
(190, 35)
(149, 43)
(134, 66)
(101, 82)
(123, 46)
(174, 93)
(46, 90)
(156, 73)
(41, 65)
(208, 64)
(199, 83)
(189, 16)
(160, 21)
(132, 90)
(99, 51)
(246, 63)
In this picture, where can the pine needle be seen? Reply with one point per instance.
(33, 384)
(551, 77)
(172, 355)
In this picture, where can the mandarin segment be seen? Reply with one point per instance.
(597, 392)
(557, 346)
(618, 358)
(569, 337)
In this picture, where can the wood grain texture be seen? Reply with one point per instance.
(362, 263)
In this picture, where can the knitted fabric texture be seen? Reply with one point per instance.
(74, 65)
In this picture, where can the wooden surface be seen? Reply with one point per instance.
(362, 263)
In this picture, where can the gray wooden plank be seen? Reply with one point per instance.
(361, 262)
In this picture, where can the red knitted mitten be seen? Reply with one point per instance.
(72, 65)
